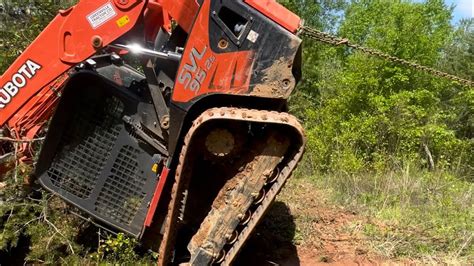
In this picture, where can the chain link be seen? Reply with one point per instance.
(337, 41)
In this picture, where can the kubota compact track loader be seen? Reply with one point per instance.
(187, 150)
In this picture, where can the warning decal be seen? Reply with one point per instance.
(101, 15)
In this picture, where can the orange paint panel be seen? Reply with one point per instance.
(202, 71)
(155, 19)
(241, 77)
(223, 81)
(183, 11)
(277, 13)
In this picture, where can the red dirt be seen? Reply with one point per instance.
(303, 228)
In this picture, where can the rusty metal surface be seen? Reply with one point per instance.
(182, 179)
(278, 79)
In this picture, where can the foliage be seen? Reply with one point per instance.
(119, 248)
(394, 142)
(52, 233)
(40, 219)
(376, 114)
(422, 213)
(458, 55)
(20, 22)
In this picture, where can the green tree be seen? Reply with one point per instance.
(378, 114)
(458, 54)
(20, 22)
(458, 57)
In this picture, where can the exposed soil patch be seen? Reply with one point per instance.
(303, 228)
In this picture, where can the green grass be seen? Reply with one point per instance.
(416, 213)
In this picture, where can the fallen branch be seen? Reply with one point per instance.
(45, 218)
(8, 219)
(15, 177)
(430, 157)
(59, 232)
(27, 223)
(50, 239)
(464, 245)
(20, 140)
(5, 158)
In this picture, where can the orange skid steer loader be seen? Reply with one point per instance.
(189, 147)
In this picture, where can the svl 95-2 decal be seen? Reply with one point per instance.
(192, 75)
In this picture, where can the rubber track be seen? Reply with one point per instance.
(180, 185)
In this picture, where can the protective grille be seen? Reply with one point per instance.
(123, 194)
(92, 159)
(87, 144)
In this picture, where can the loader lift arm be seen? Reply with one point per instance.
(72, 36)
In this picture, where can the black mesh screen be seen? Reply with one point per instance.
(86, 145)
(122, 193)
(93, 161)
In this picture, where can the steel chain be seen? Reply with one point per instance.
(337, 41)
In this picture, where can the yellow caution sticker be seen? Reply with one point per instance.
(154, 168)
(123, 21)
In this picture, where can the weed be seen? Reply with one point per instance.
(421, 214)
